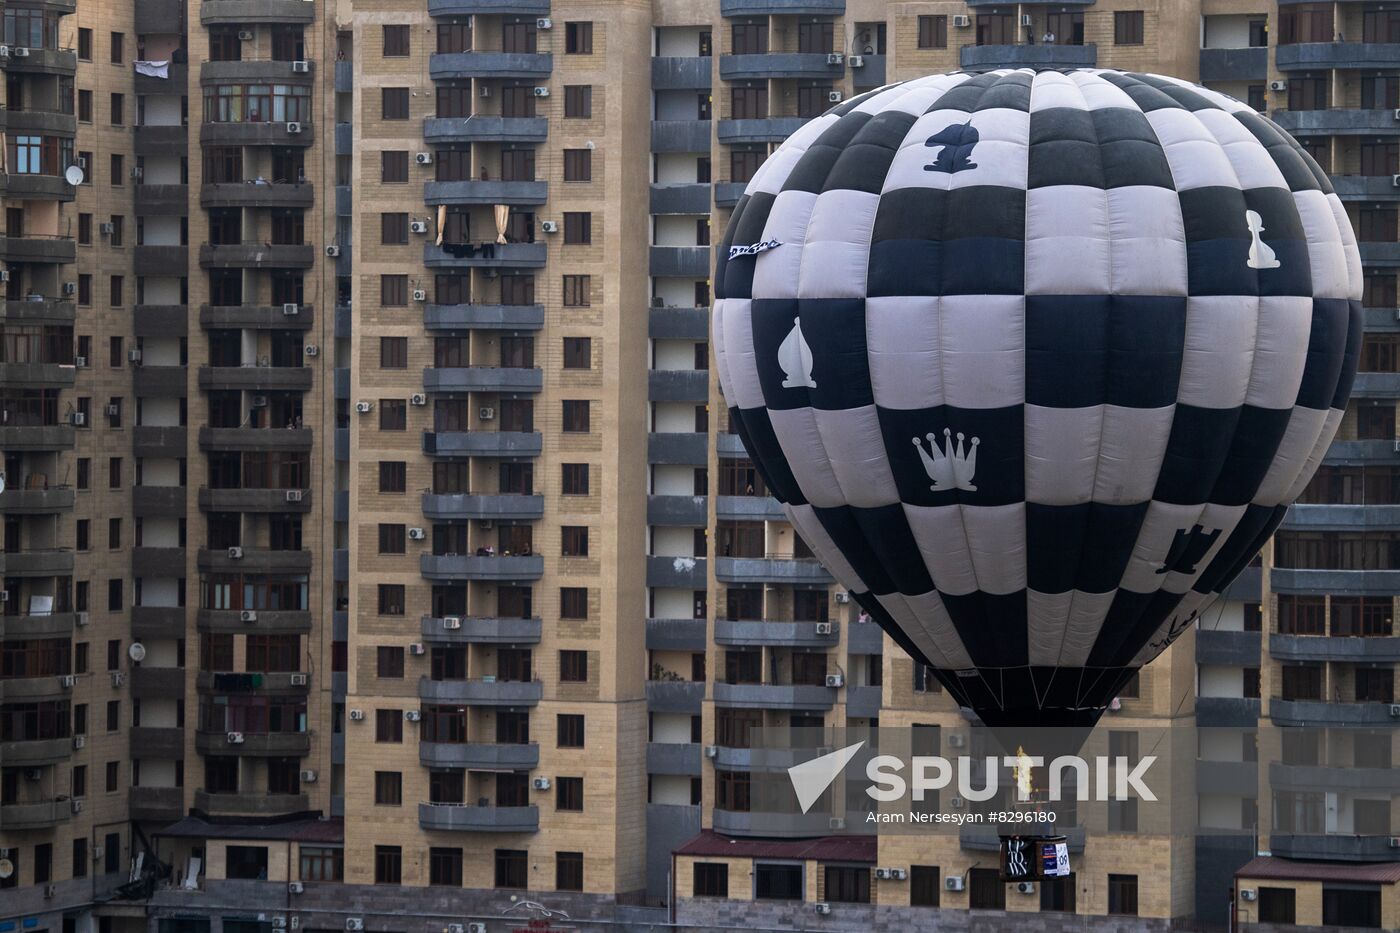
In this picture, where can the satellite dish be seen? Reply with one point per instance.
(7, 868)
(137, 652)
(74, 175)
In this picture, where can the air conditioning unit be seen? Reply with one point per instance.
(107, 228)
(70, 288)
(279, 923)
(308, 777)
(245, 35)
(235, 553)
(4, 275)
(20, 52)
(957, 803)
(333, 251)
(954, 883)
(97, 853)
(133, 356)
(882, 873)
(541, 783)
(293, 128)
(544, 22)
(416, 534)
(68, 681)
(835, 680)
(418, 226)
(235, 738)
(897, 874)
(541, 92)
(80, 362)
(311, 349)
(451, 622)
(137, 171)
(1248, 894)
(842, 597)
(486, 90)
(486, 413)
(836, 822)
(476, 927)
(424, 158)
(354, 924)
(81, 618)
(295, 887)
(301, 68)
(1278, 85)
(79, 741)
(1026, 20)
(455, 928)
(1395, 842)
(291, 309)
(356, 715)
(118, 678)
(50, 889)
(364, 407)
(247, 615)
(114, 411)
(1026, 887)
(77, 806)
(822, 908)
(4, 51)
(33, 774)
(957, 741)
(418, 398)
(420, 294)
(549, 226)
(298, 680)
(835, 58)
(834, 97)
(823, 628)
(962, 21)
(412, 715)
(417, 648)
(1395, 710)
(294, 495)
(711, 751)
(857, 61)
(258, 401)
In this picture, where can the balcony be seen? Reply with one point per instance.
(769, 130)
(157, 742)
(482, 631)
(51, 625)
(24, 689)
(749, 508)
(459, 818)
(448, 507)
(805, 571)
(801, 65)
(1319, 714)
(680, 135)
(775, 696)
(1235, 649)
(256, 255)
(779, 825)
(482, 128)
(676, 634)
(486, 192)
(176, 80)
(870, 73)
(865, 638)
(37, 562)
(450, 66)
(675, 696)
(1231, 778)
(38, 752)
(157, 622)
(1306, 56)
(256, 378)
(158, 16)
(680, 511)
(1227, 712)
(148, 683)
(163, 200)
(37, 249)
(1356, 453)
(1339, 122)
(1331, 848)
(157, 804)
(683, 261)
(676, 758)
(292, 133)
(345, 139)
(482, 443)
(344, 77)
(679, 323)
(1333, 778)
(488, 8)
(155, 139)
(161, 321)
(675, 73)
(479, 756)
(159, 381)
(690, 449)
(168, 442)
(273, 682)
(677, 572)
(40, 123)
(483, 317)
(680, 198)
(481, 692)
(678, 385)
(254, 744)
(46, 814)
(1378, 385)
(464, 567)
(1329, 648)
(778, 634)
(728, 193)
(256, 71)
(1336, 582)
(257, 317)
(782, 7)
(157, 561)
(255, 500)
(864, 701)
(36, 437)
(253, 12)
(984, 837)
(158, 501)
(485, 255)
(265, 621)
(251, 804)
(482, 379)
(44, 61)
(37, 309)
(1244, 64)
(1021, 56)
(255, 560)
(1367, 188)
(255, 196)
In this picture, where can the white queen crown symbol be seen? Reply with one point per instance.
(949, 467)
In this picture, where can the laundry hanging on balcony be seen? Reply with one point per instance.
(442, 222)
(153, 69)
(502, 212)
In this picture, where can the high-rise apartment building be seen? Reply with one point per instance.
(377, 555)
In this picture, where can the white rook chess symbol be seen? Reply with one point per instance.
(949, 467)
(1260, 255)
(795, 360)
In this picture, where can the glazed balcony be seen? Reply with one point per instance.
(257, 317)
(257, 71)
(486, 192)
(44, 814)
(482, 631)
(483, 379)
(255, 500)
(254, 12)
(257, 196)
(484, 128)
(676, 634)
(450, 66)
(152, 441)
(459, 818)
(481, 692)
(482, 443)
(467, 567)
(483, 317)
(254, 744)
(292, 133)
(273, 682)
(458, 507)
(485, 255)
(1034, 56)
(479, 756)
(38, 249)
(778, 634)
(253, 255)
(157, 804)
(800, 65)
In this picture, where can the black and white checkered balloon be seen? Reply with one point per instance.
(1036, 362)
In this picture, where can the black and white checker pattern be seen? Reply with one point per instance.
(1135, 301)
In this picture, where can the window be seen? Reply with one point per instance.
(750, 38)
(79, 784)
(83, 534)
(578, 227)
(1127, 30)
(444, 864)
(749, 103)
(576, 416)
(85, 44)
(575, 479)
(573, 602)
(393, 414)
(1123, 889)
(578, 101)
(393, 352)
(113, 776)
(388, 865)
(395, 103)
(848, 884)
(117, 167)
(568, 793)
(388, 788)
(578, 165)
(573, 667)
(114, 595)
(80, 857)
(578, 291)
(84, 106)
(570, 730)
(1351, 907)
(115, 289)
(118, 106)
(388, 725)
(84, 288)
(1277, 905)
(393, 228)
(578, 353)
(568, 871)
(933, 34)
(118, 40)
(322, 863)
(395, 41)
(391, 599)
(924, 886)
(1057, 894)
(578, 38)
(391, 538)
(114, 533)
(390, 660)
(393, 166)
(777, 882)
(711, 879)
(393, 476)
(575, 540)
(512, 868)
(393, 291)
(986, 890)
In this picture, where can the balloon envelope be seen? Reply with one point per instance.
(1036, 362)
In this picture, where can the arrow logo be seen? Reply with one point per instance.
(811, 778)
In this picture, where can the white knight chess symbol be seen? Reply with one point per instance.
(795, 360)
(949, 467)
(1260, 255)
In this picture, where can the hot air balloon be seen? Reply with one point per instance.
(1035, 362)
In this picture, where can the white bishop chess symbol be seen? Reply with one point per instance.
(1260, 255)
(795, 360)
(949, 467)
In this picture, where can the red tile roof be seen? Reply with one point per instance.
(825, 849)
(1269, 868)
